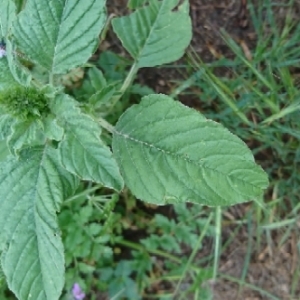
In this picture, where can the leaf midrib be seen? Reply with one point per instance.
(193, 162)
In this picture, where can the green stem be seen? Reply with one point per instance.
(192, 256)
(106, 28)
(130, 76)
(217, 241)
(103, 123)
(127, 82)
(142, 248)
(84, 193)
(250, 286)
(171, 257)
(248, 254)
(51, 79)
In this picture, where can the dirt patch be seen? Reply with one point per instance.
(270, 268)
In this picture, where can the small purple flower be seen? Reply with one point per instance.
(2, 49)
(2, 52)
(77, 292)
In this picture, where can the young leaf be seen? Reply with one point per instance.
(52, 129)
(59, 34)
(155, 34)
(82, 152)
(11, 72)
(101, 99)
(97, 78)
(6, 123)
(6, 78)
(31, 191)
(19, 73)
(7, 15)
(170, 153)
(23, 133)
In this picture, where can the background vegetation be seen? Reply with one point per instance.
(140, 251)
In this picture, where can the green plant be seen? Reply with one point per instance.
(50, 142)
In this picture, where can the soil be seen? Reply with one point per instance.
(272, 266)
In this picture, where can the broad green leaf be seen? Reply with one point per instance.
(7, 15)
(82, 152)
(59, 34)
(155, 34)
(170, 153)
(31, 191)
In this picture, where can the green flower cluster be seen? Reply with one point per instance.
(24, 102)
